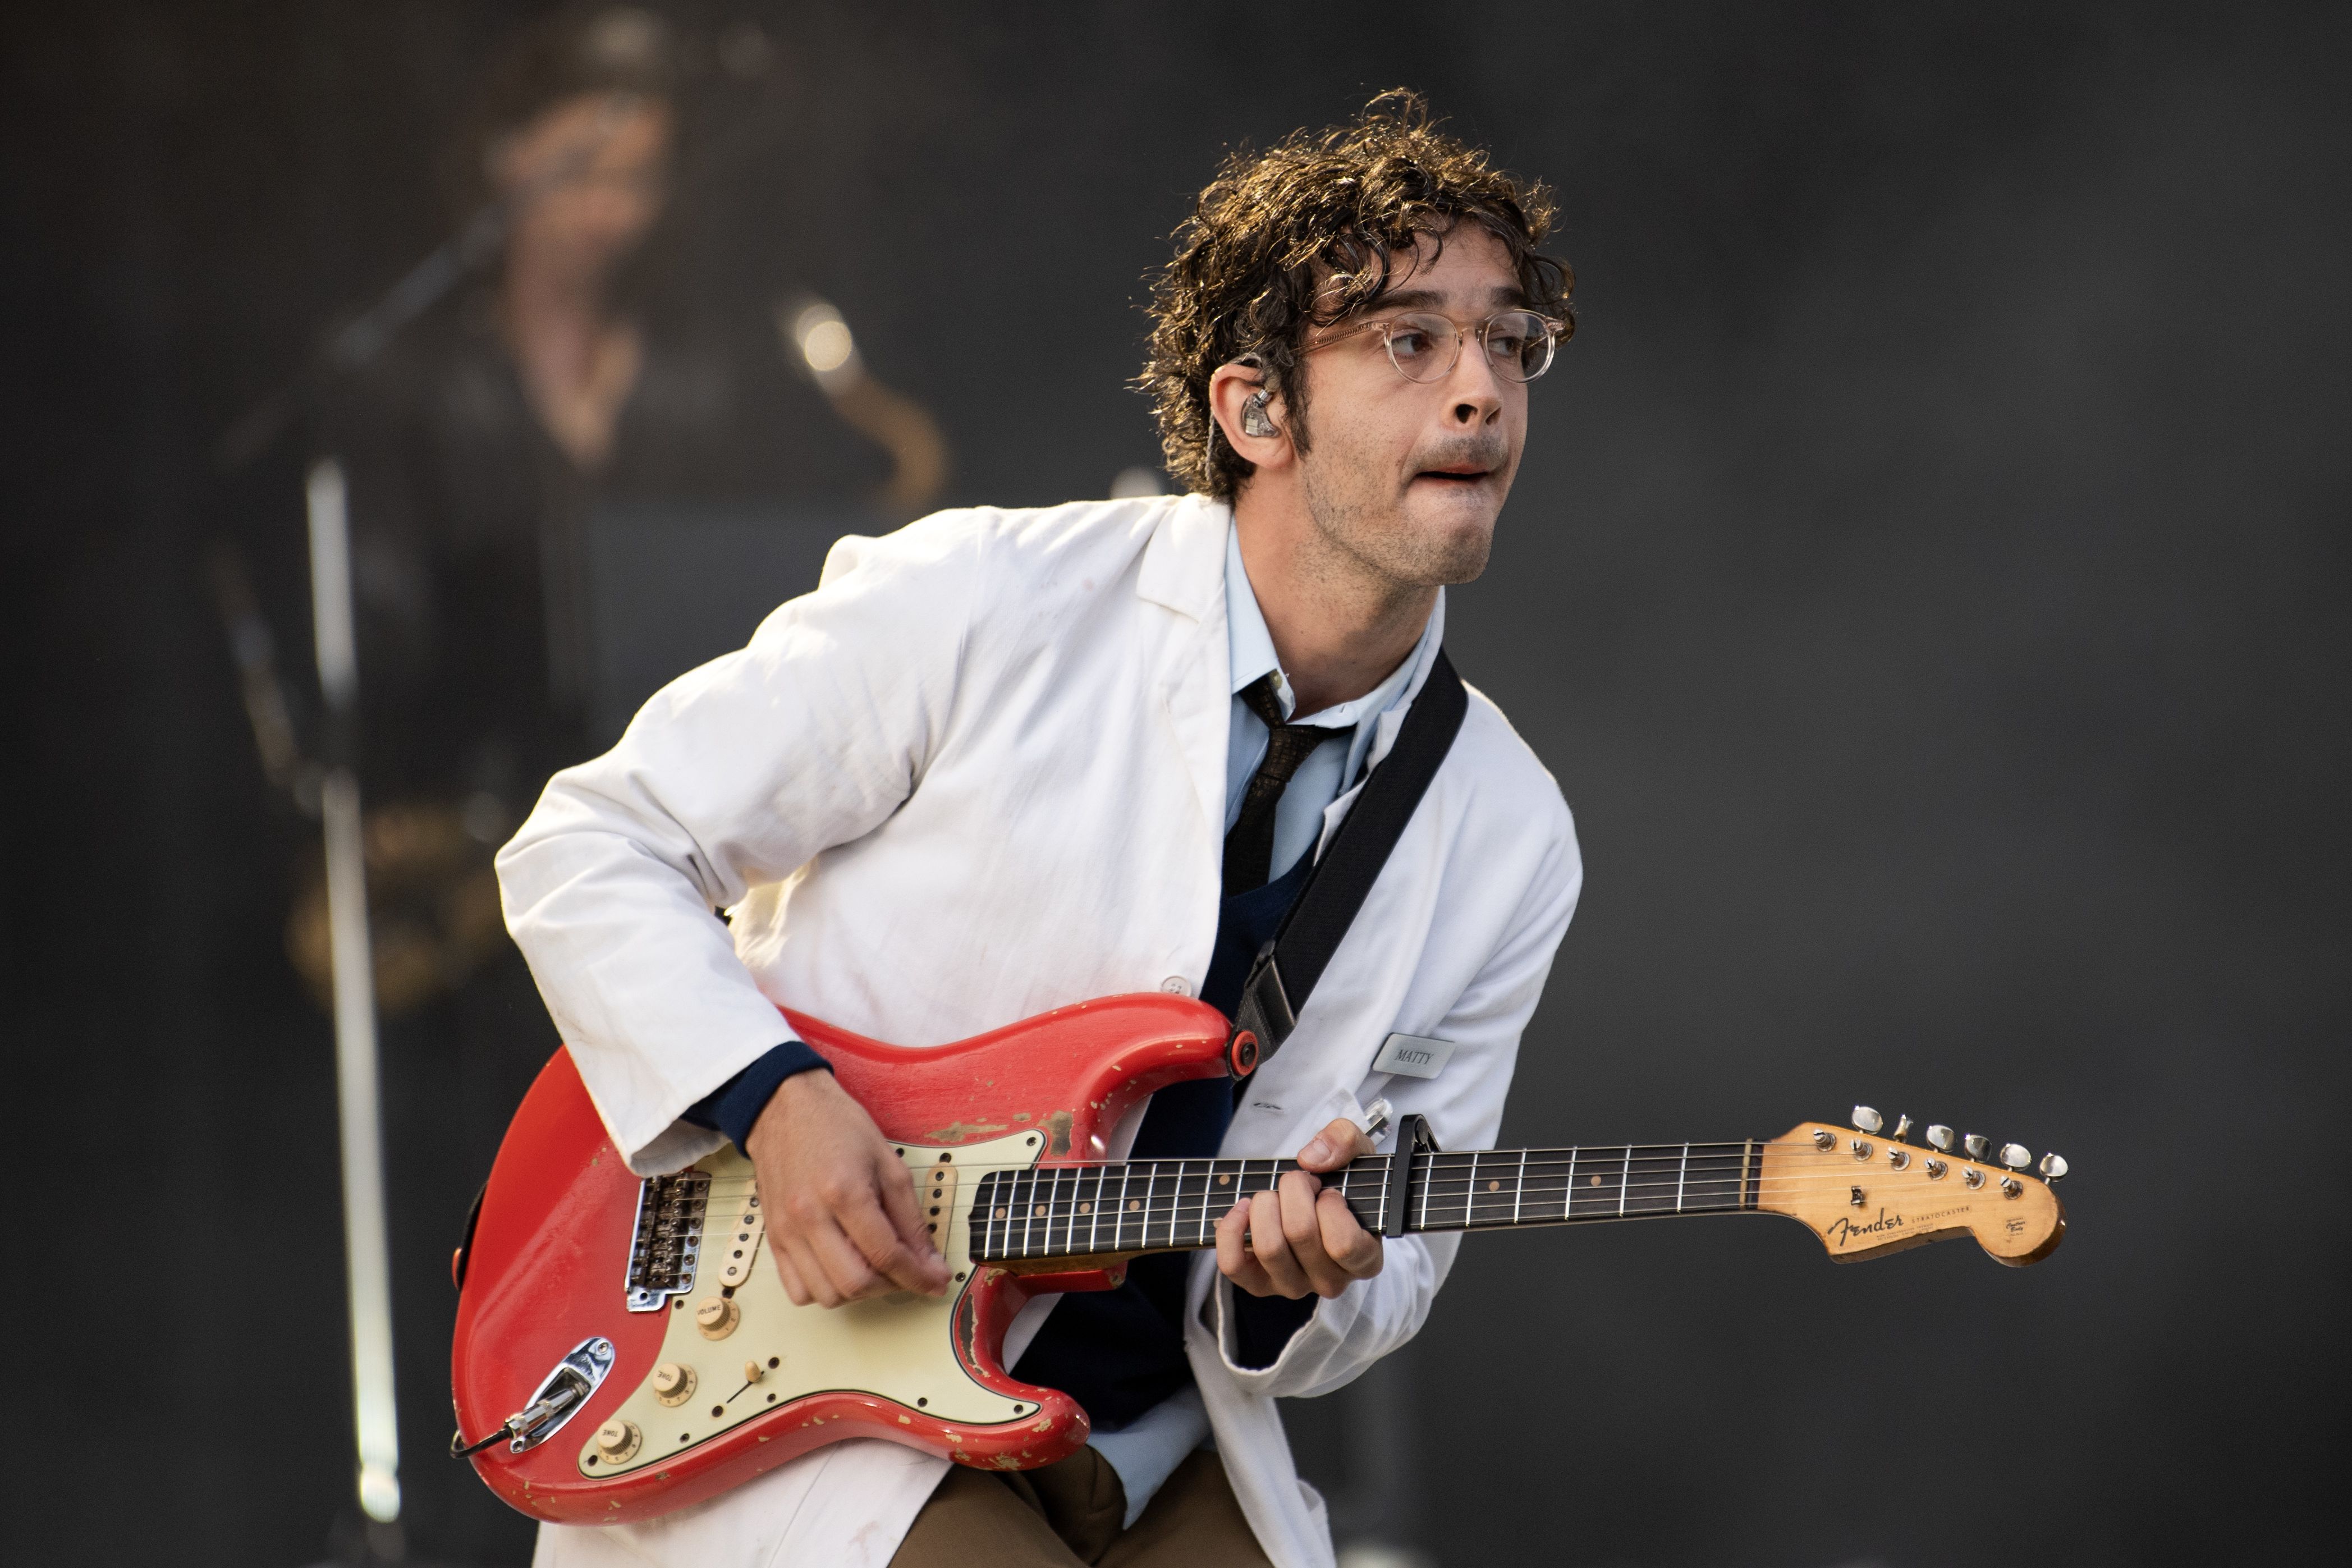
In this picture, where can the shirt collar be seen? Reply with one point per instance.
(1251, 648)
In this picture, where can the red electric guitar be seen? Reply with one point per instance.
(623, 1349)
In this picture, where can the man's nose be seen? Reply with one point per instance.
(1474, 387)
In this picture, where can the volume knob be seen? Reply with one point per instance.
(716, 1317)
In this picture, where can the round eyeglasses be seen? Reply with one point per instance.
(1424, 346)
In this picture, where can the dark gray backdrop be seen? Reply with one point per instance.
(1926, 583)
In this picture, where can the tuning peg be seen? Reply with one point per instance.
(2053, 1167)
(1939, 1136)
(1901, 1125)
(2016, 1156)
(1976, 1144)
(1869, 1121)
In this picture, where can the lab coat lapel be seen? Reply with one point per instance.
(1183, 570)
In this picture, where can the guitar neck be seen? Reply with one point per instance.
(1159, 1205)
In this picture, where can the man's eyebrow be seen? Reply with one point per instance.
(1502, 296)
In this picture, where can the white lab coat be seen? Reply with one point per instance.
(979, 773)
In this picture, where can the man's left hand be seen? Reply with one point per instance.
(1302, 1235)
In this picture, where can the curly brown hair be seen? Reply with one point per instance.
(1303, 235)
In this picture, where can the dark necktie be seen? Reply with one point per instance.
(1249, 847)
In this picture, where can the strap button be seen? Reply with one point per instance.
(1177, 985)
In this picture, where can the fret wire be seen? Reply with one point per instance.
(1094, 1214)
(1568, 1205)
(1119, 1218)
(1470, 1199)
(1520, 1187)
(1175, 1200)
(1621, 1181)
(1681, 1178)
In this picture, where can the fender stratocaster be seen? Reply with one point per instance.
(624, 1350)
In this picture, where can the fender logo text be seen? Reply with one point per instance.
(1845, 1230)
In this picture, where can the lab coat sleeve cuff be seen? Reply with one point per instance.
(734, 1107)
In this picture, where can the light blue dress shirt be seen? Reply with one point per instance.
(1147, 1451)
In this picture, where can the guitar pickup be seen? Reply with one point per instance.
(733, 1239)
(935, 1190)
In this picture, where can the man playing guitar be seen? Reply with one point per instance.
(1002, 761)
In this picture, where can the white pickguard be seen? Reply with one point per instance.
(900, 1347)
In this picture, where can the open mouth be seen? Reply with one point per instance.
(1462, 477)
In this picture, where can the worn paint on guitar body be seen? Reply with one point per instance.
(547, 1264)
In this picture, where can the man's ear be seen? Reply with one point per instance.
(1232, 388)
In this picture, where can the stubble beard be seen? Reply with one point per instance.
(1371, 534)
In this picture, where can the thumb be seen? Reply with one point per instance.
(906, 1211)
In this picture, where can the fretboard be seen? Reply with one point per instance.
(1152, 1205)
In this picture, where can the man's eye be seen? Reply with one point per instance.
(1409, 343)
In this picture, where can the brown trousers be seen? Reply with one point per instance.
(1068, 1514)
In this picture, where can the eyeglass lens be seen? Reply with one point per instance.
(1423, 346)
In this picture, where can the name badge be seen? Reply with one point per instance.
(1415, 1055)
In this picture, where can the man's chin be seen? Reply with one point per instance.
(1452, 534)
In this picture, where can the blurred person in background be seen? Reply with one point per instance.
(583, 371)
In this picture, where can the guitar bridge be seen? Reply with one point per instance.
(667, 1243)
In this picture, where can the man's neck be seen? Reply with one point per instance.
(1339, 626)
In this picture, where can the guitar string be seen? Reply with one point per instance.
(1721, 1195)
(1444, 1181)
(1188, 1226)
(1541, 1175)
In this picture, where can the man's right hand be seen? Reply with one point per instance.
(842, 1214)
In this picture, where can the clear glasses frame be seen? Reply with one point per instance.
(1519, 344)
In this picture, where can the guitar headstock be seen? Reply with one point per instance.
(1865, 1194)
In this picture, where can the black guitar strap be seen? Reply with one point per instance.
(1288, 966)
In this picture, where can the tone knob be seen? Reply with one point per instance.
(1976, 1143)
(1939, 1137)
(672, 1383)
(2053, 1167)
(716, 1317)
(617, 1438)
(2016, 1156)
(1867, 1120)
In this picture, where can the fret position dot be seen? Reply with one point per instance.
(1596, 1181)
(1037, 1213)
(1085, 1208)
(1225, 1181)
(1133, 1205)
(1002, 1213)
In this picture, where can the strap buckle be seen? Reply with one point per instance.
(1263, 1021)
